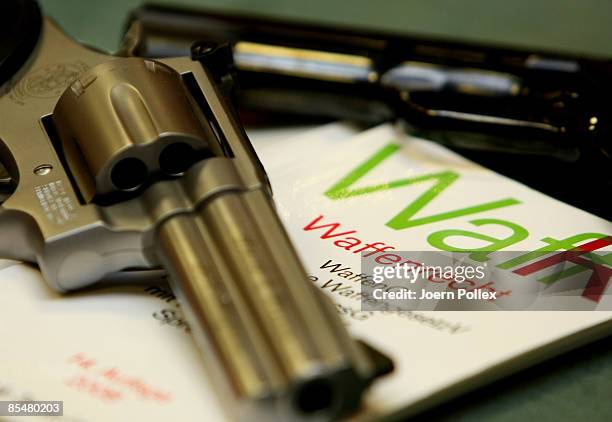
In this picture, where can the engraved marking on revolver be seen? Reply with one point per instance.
(55, 202)
(47, 82)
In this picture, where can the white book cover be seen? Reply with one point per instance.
(123, 353)
(341, 187)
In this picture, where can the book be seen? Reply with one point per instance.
(341, 186)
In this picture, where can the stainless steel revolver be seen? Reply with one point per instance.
(114, 164)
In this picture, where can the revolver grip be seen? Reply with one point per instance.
(272, 341)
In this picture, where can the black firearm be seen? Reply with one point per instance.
(542, 118)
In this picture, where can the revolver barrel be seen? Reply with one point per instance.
(272, 342)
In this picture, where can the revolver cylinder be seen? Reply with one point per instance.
(125, 121)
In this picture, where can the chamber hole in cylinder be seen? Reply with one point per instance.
(128, 174)
(176, 158)
(314, 396)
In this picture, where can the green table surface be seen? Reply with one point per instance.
(576, 386)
